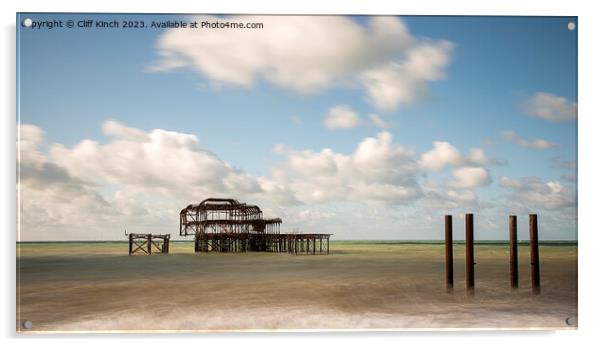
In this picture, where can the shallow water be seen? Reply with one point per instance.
(97, 286)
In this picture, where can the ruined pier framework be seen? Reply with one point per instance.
(226, 225)
(148, 243)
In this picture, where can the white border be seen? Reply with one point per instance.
(589, 164)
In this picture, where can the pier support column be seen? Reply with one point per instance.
(449, 253)
(513, 252)
(469, 252)
(131, 241)
(533, 231)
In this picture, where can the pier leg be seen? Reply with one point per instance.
(130, 251)
(469, 252)
(533, 230)
(149, 239)
(513, 253)
(449, 253)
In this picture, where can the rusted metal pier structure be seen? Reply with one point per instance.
(149, 243)
(227, 225)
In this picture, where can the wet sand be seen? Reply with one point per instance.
(98, 287)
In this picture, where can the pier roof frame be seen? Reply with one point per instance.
(225, 215)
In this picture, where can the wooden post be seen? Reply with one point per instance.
(449, 253)
(149, 238)
(130, 252)
(469, 252)
(533, 230)
(513, 253)
(328, 245)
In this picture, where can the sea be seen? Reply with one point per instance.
(359, 285)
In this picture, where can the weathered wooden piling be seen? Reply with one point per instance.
(149, 243)
(449, 253)
(131, 243)
(534, 240)
(513, 253)
(469, 252)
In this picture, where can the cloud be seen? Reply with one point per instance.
(309, 54)
(344, 117)
(477, 157)
(49, 195)
(550, 107)
(445, 154)
(442, 155)
(403, 83)
(470, 177)
(159, 159)
(341, 117)
(30, 138)
(539, 144)
(438, 196)
(464, 196)
(535, 193)
(91, 188)
(117, 130)
(379, 122)
(140, 180)
(559, 163)
(378, 170)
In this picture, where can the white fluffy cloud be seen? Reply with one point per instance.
(341, 117)
(378, 170)
(309, 54)
(49, 196)
(535, 193)
(540, 144)
(159, 159)
(470, 177)
(138, 179)
(405, 82)
(550, 107)
(444, 154)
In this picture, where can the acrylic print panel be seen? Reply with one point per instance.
(229, 172)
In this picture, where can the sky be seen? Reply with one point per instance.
(367, 127)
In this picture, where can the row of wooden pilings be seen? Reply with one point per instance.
(469, 225)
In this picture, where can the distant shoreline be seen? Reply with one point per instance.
(374, 242)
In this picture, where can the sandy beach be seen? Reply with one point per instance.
(359, 285)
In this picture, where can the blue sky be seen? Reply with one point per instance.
(72, 81)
